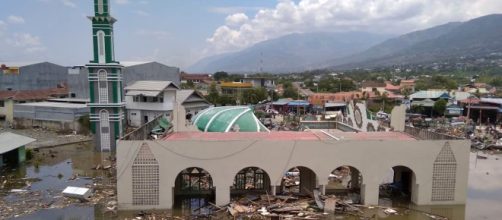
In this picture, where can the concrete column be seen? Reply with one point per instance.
(274, 190)
(222, 195)
(322, 188)
(369, 193)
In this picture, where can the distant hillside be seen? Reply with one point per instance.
(294, 52)
(476, 37)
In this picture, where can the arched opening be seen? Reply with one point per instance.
(250, 181)
(299, 180)
(104, 130)
(193, 190)
(103, 86)
(398, 187)
(345, 182)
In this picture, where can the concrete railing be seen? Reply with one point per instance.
(428, 135)
(327, 125)
(143, 132)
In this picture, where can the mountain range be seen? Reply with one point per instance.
(299, 52)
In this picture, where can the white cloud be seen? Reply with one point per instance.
(382, 16)
(122, 2)
(15, 19)
(141, 13)
(24, 40)
(69, 3)
(158, 34)
(28, 42)
(232, 10)
(236, 19)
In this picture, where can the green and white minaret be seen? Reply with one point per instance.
(105, 81)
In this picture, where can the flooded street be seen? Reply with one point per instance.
(72, 165)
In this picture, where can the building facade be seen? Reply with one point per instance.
(435, 172)
(147, 100)
(31, 76)
(105, 81)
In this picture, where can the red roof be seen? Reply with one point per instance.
(286, 136)
(39, 94)
(201, 77)
(389, 86)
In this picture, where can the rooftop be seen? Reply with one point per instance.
(39, 94)
(149, 88)
(430, 94)
(287, 136)
(55, 104)
(10, 141)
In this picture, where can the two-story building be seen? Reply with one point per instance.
(146, 100)
(259, 82)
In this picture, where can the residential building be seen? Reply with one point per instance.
(31, 75)
(192, 101)
(146, 100)
(373, 86)
(234, 88)
(319, 99)
(259, 82)
(9, 98)
(485, 110)
(13, 148)
(195, 78)
(407, 84)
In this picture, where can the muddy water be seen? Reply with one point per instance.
(484, 192)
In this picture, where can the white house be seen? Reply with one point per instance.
(192, 101)
(146, 100)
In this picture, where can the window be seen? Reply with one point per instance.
(144, 98)
(135, 99)
(2, 104)
(100, 7)
(73, 95)
(155, 99)
(104, 121)
(103, 86)
(133, 113)
(161, 99)
(101, 46)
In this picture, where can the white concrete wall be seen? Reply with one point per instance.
(223, 159)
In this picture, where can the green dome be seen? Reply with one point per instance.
(228, 118)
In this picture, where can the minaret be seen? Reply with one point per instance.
(105, 81)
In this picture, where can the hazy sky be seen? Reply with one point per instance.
(179, 32)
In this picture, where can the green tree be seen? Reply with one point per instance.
(253, 96)
(187, 85)
(440, 106)
(213, 95)
(226, 100)
(220, 75)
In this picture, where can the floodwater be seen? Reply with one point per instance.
(484, 192)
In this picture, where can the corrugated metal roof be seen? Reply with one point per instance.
(134, 63)
(151, 85)
(54, 104)
(428, 94)
(492, 100)
(143, 93)
(10, 141)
